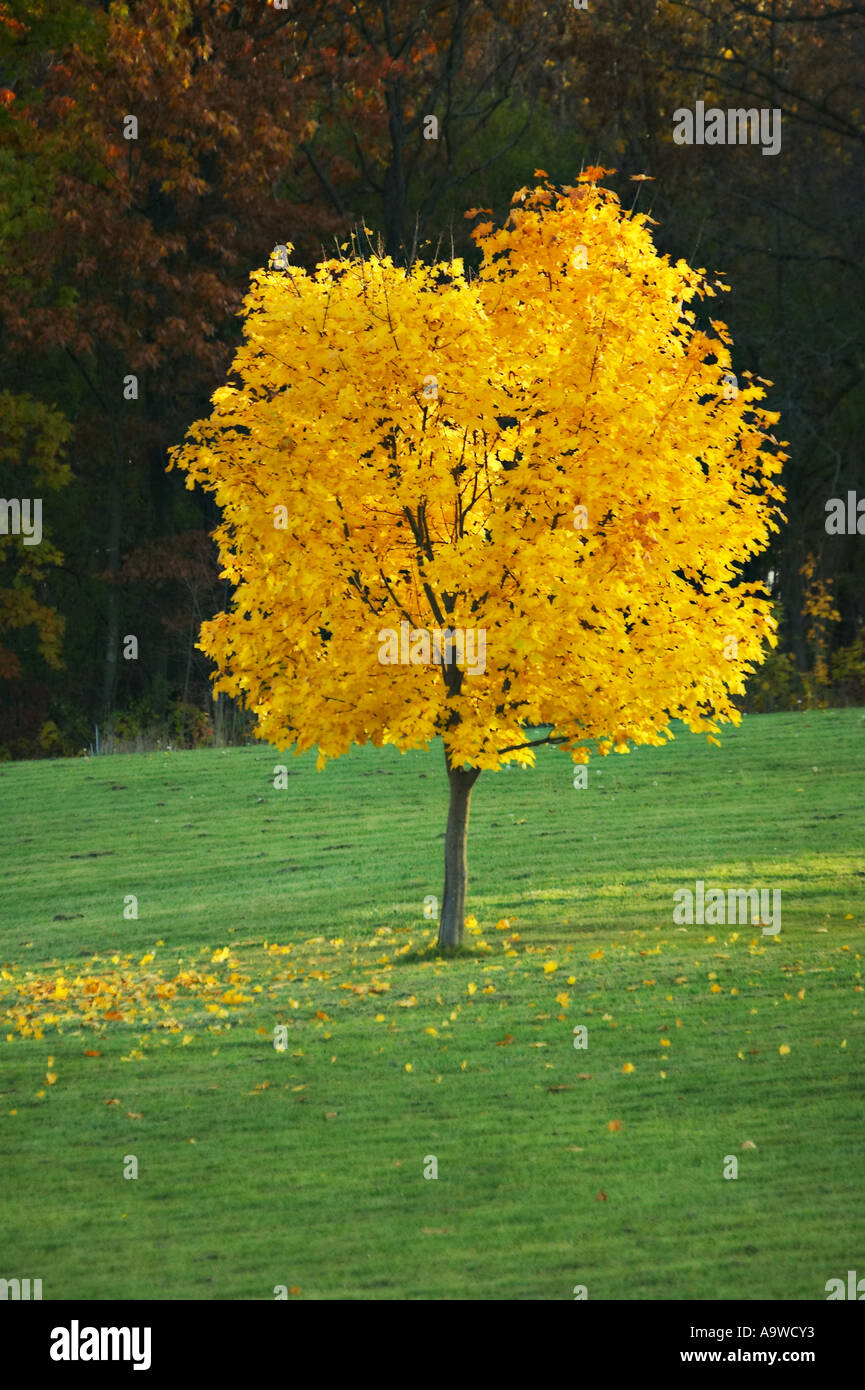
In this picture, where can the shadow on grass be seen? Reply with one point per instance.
(436, 952)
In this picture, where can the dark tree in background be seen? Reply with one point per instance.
(124, 258)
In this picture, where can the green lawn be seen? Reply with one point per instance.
(304, 1167)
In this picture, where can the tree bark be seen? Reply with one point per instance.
(456, 869)
(112, 632)
(395, 191)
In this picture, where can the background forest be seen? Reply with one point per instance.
(124, 263)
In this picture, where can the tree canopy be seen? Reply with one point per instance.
(549, 453)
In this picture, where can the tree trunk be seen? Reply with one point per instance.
(792, 595)
(456, 875)
(395, 192)
(112, 633)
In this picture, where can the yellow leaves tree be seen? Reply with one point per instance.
(818, 608)
(547, 457)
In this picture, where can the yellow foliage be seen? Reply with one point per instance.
(416, 445)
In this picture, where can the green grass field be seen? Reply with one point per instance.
(556, 1167)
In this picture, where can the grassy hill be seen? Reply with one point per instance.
(153, 1037)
